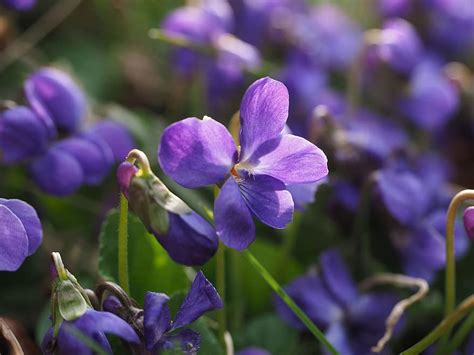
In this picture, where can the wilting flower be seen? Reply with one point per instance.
(432, 99)
(56, 99)
(20, 5)
(22, 135)
(197, 153)
(159, 329)
(21, 233)
(187, 237)
(469, 221)
(352, 321)
(74, 318)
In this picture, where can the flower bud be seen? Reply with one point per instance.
(469, 221)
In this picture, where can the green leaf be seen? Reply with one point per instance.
(150, 267)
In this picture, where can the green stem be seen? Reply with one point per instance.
(462, 333)
(444, 327)
(123, 245)
(450, 278)
(220, 283)
(318, 334)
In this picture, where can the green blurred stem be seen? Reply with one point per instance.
(464, 330)
(220, 283)
(450, 278)
(123, 244)
(318, 334)
(443, 328)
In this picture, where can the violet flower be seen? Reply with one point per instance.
(394, 8)
(398, 45)
(92, 324)
(19, 5)
(187, 237)
(197, 153)
(253, 351)
(21, 233)
(22, 135)
(468, 218)
(56, 99)
(352, 321)
(432, 99)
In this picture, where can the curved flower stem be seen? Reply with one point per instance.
(123, 244)
(464, 330)
(450, 278)
(318, 334)
(444, 327)
(138, 156)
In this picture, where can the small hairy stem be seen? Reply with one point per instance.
(123, 245)
(400, 307)
(318, 334)
(444, 327)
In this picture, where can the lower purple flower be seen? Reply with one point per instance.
(20, 5)
(352, 321)
(21, 233)
(93, 325)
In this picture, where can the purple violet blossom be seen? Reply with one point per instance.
(352, 321)
(394, 8)
(468, 218)
(159, 329)
(253, 351)
(93, 324)
(56, 99)
(22, 135)
(19, 5)
(21, 233)
(189, 239)
(197, 153)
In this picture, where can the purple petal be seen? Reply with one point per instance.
(469, 221)
(56, 99)
(30, 220)
(338, 336)
(94, 161)
(22, 135)
(402, 194)
(105, 322)
(196, 152)
(268, 199)
(303, 194)
(290, 159)
(253, 351)
(125, 173)
(13, 241)
(190, 240)
(311, 295)
(157, 318)
(201, 298)
(234, 224)
(336, 277)
(57, 173)
(20, 5)
(114, 135)
(263, 114)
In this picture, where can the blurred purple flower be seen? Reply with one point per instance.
(197, 153)
(469, 221)
(329, 37)
(398, 45)
(92, 324)
(20, 5)
(159, 329)
(352, 321)
(432, 99)
(56, 99)
(21, 233)
(253, 351)
(22, 135)
(394, 8)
